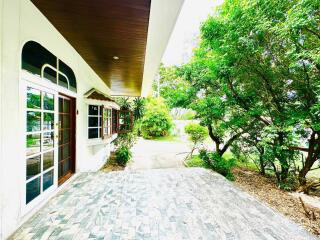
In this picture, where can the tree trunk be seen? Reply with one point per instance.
(276, 172)
(313, 156)
(214, 138)
(282, 157)
(304, 171)
(262, 166)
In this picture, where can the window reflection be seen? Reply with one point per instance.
(35, 56)
(33, 144)
(66, 136)
(48, 160)
(33, 189)
(33, 121)
(33, 166)
(48, 121)
(33, 98)
(66, 106)
(48, 101)
(66, 165)
(66, 152)
(50, 75)
(47, 180)
(63, 81)
(48, 141)
(66, 121)
(93, 110)
(93, 121)
(93, 132)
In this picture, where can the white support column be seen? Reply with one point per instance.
(11, 139)
(1, 114)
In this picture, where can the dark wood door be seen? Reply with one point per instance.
(66, 138)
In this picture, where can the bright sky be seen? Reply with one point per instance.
(187, 30)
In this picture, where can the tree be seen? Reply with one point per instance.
(172, 87)
(197, 135)
(256, 43)
(258, 63)
(207, 97)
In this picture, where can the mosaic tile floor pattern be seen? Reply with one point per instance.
(156, 204)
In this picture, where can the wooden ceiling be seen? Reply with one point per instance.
(102, 29)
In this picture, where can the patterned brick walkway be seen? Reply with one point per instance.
(157, 204)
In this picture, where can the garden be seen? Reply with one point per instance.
(251, 93)
(254, 85)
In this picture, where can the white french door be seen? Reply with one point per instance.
(41, 156)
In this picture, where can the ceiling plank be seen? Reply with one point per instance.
(102, 29)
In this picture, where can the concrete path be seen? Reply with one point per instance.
(157, 204)
(153, 154)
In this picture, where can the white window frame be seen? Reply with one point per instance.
(57, 73)
(109, 122)
(100, 122)
(44, 195)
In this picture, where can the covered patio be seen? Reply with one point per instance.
(157, 204)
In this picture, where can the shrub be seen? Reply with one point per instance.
(218, 163)
(196, 132)
(137, 127)
(123, 144)
(157, 120)
(190, 115)
(197, 135)
(123, 155)
(126, 139)
(290, 184)
(138, 108)
(196, 161)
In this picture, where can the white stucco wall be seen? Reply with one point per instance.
(21, 21)
(1, 157)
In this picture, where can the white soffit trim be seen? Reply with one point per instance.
(163, 17)
(102, 103)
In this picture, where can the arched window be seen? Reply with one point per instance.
(41, 62)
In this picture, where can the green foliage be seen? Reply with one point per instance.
(138, 108)
(126, 139)
(124, 103)
(172, 87)
(218, 163)
(134, 104)
(168, 138)
(189, 115)
(123, 144)
(137, 127)
(267, 52)
(197, 133)
(157, 120)
(290, 184)
(196, 161)
(254, 81)
(123, 155)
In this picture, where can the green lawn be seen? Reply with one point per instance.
(169, 138)
(196, 161)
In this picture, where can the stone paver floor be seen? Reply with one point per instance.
(156, 204)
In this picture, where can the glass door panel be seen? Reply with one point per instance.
(40, 149)
(66, 138)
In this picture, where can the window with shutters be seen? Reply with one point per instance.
(95, 114)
